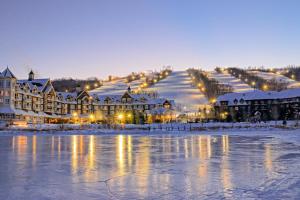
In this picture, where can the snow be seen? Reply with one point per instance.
(226, 78)
(178, 86)
(259, 95)
(214, 165)
(278, 77)
(116, 87)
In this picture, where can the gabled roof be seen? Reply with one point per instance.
(7, 73)
(39, 83)
(258, 95)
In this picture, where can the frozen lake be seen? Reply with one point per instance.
(158, 166)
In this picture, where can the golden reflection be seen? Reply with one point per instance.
(74, 157)
(129, 150)
(205, 148)
(192, 146)
(205, 152)
(225, 167)
(143, 162)
(22, 144)
(268, 157)
(52, 145)
(120, 153)
(91, 154)
(91, 173)
(59, 147)
(225, 144)
(186, 148)
(34, 149)
(81, 144)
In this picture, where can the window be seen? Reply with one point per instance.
(7, 83)
(6, 101)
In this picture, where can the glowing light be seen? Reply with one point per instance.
(75, 114)
(213, 100)
(120, 116)
(293, 76)
(253, 83)
(92, 117)
(87, 87)
(265, 87)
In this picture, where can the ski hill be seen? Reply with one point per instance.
(178, 86)
(278, 77)
(117, 87)
(235, 83)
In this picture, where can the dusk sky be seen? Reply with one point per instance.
(81, 39)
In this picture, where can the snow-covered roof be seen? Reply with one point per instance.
(39, 83)
(258, 95)
(137, 99)
(7, 73)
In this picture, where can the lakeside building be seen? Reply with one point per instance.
(36, 101)
(259, 105)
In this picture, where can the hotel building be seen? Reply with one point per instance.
(36, 101)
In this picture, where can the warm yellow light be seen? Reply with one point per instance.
(120, 116)
(92, 117)
(96, 85)
(293, 76)
(129, 115)
(87, 87)
(253, 83)
(155, 80)
(265, 87)
(199, 84)
(166, 73)
(75, 114)
(213, 100)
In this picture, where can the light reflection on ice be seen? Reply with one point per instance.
(133, 166)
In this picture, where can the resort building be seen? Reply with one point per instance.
(36, 101)
(259, 105)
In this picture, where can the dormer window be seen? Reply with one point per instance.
(235, 101)
(242, 101)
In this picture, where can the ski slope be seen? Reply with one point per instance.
(278, 77)
(235, 83)
(116, 87)
(178, 86)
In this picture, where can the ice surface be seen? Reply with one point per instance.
(247, 165)
(178, 86)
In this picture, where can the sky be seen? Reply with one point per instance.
(95, 38)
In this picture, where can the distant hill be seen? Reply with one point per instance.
(69, 84)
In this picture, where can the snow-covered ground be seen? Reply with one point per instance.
(178, 86)
(235, 83)
(117, 87)
(278, 77)
(246, 165)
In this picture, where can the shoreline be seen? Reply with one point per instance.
(180, 128)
